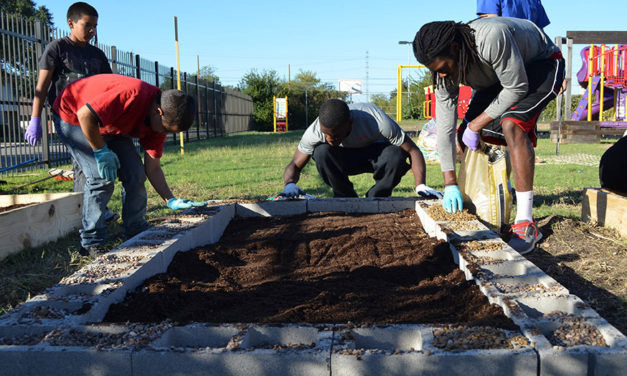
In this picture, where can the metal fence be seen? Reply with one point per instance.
(221, 111)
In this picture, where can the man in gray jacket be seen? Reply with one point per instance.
(353, 139)
(515, 71)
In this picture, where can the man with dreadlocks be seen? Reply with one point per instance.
(515, 71)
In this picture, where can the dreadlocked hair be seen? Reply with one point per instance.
(434, 40)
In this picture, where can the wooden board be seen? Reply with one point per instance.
(51, 216)
(605, 208)
(576, 132)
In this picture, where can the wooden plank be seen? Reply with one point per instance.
(597, 37)
(54, 216)
(605, 208)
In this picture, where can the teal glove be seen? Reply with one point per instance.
(108, 163)
(181, 203)
(452, 201)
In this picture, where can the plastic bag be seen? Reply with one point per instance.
(484, 182)
(428, 141)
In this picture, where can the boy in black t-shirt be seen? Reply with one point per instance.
(64, 61)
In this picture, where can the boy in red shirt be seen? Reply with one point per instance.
(96, 118)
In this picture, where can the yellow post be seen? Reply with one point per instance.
(602, 81)
(590, 52)
(274, 112)
(286, 113)
(178, 74)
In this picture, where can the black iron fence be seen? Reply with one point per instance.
(221, 110)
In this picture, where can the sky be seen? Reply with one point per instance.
(340, 39)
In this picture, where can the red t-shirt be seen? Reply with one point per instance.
(120, 103)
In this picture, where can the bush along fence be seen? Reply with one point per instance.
(220, 110)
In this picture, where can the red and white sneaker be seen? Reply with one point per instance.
(525, 236)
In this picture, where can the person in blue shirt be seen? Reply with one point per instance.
(531, 10)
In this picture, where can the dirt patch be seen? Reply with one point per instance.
(16, 206)
(590, 261)
(315, 268)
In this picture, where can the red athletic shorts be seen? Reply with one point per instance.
(545, 81)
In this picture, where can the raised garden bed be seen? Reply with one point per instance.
(35, 219)
(315, 268)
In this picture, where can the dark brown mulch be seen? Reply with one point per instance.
(315, 268)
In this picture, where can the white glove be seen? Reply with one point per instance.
(292, 190)
(427, 192)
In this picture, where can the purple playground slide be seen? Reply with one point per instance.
(608, 94)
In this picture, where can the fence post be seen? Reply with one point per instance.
(185, 90)
(45, 143)
(114, 60)
(198, 118)
(156, 73)
(215, 110)
(138, 69)
(207, 107)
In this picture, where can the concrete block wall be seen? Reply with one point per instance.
(58, 331)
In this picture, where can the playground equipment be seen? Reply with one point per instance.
(428, 110)
(602, 74)
(465, 94)
(280, 114)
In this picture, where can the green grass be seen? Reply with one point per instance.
(250, 166)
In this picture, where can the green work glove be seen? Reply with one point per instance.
(452, 201)
(181, 203)
(108, 163)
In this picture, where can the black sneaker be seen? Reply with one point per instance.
(93, 250)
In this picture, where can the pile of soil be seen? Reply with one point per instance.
(315, 268)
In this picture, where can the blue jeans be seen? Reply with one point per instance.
(98, 191)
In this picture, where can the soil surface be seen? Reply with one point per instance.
(315, 268)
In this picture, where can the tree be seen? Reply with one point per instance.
(28, 10)
(261, 87)
(305, 96)
(207, 75)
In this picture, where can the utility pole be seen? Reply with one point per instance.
(367, 92)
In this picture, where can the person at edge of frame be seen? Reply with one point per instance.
(515, 71)
(96, 118)
(531, 10)
(353, 139)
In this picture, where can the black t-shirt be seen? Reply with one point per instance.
(71, 62)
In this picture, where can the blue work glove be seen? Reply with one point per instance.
(182, 203)
(452, 201)
(292, 190)
(108, 163)
(427, 192)
(471, 138)
(33, 132)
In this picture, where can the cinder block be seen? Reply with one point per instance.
(268, 336)
(390, 338)
(224, 363)
(484, 362)
(396, 204)
(197, 336)
(563, 362)
(610, 362)
(63, 361)
(272, 208)
(346, 205)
